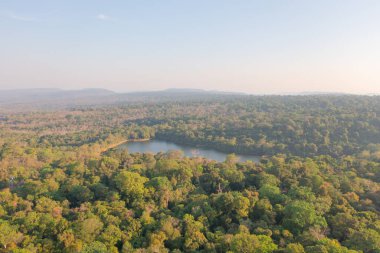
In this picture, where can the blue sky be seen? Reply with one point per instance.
(251, 46)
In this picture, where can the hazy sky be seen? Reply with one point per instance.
(264, 46)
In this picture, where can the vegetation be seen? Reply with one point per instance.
(63, 188)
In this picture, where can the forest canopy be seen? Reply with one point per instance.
(64, 187)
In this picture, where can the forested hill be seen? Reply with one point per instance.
(297, 125)
(55, 99)
(305, 126)
(315, 190)
(49, 96)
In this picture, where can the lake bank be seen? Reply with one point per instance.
(121, 143)
(156, 146)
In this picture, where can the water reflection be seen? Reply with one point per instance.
(155, 146)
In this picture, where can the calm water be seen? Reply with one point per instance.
(155, 146)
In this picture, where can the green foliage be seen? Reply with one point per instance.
(79, 194)
(294, 248)
(367, 240)
(89, 229)
(8, 234)
(247, 243)
(300, 215)
(66, 186)
(193, 236)
(131, 184)
(95, 247)
(271, 192)
(327, 245)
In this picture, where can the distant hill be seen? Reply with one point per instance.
(29, 99)
(315, 93)
(49, 96)
(172, 95)
(25, 96)
(50, 93)
(184, 90)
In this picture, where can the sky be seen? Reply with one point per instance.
(258, 47)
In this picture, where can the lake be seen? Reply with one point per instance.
(155, 146)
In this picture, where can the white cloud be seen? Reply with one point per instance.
(12, 15)
(103, 17)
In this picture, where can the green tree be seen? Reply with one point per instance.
(9, 234)
(367, 240)
(294, 248)
(95, 247)
(163, 190)
(247, 243)
(194, 237)
(89, 229)
(272, 192)
(131, 184)
(80, 194)
(111, 236)
(299, 215)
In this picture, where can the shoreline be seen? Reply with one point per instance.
(244, 157)
(121, 143)
(138, 140)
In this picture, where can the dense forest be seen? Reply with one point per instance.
(64, 187)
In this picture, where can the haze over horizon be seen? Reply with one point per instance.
(31, 91)
(256, 47)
